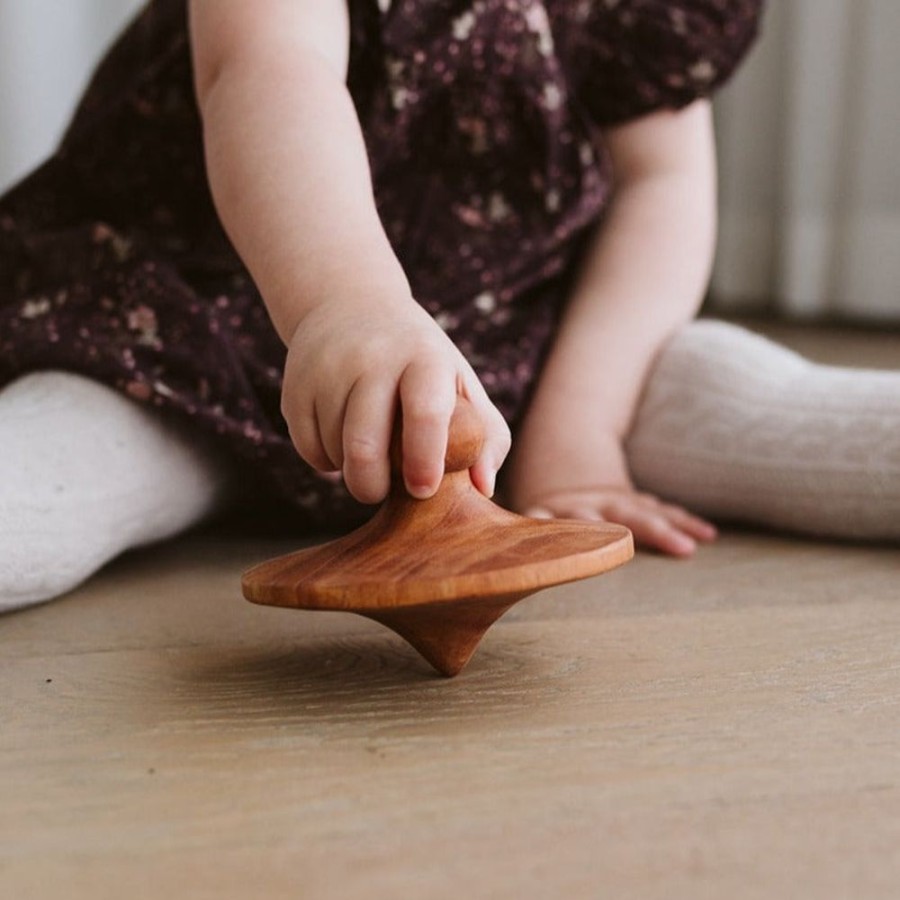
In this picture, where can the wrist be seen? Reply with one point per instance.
(371, 284)
(555, 447)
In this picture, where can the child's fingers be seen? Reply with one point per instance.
(312, 450)
(496, 447)
(427, 397)
(484, 476)
(366, 439)
(679, 517)
(497, 439)
(649, 524)
(304, 434)
(329, 408)
(650, 528)
(656, 531)
(304, 431)
(668, 527)
(689, 523)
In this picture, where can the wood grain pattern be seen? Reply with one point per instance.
(440, 571)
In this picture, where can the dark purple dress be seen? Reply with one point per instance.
(477, 116)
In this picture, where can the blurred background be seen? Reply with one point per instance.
(809, 138)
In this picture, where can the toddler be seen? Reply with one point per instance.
(273, 225)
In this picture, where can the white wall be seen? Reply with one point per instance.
(47, 50)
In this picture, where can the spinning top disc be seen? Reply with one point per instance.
(441, 571)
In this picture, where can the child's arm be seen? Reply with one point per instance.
(644, 276)
(288, 170)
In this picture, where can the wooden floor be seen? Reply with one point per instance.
(726, 727)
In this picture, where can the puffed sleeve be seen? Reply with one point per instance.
(632, 57)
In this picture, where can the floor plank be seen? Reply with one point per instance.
(733, 736)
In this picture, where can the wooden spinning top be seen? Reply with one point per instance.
(440, 572)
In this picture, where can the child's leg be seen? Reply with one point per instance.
(86, 473)
(735, 427)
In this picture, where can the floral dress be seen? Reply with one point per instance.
(482, 123)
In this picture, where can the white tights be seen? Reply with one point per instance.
(86, 473)
(730, 425)
(738, 428)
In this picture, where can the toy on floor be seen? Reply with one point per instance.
(440, 572)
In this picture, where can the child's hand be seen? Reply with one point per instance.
(571, 472)
(654, 524)
(348, 366)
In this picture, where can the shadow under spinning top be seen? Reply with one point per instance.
(440, 572)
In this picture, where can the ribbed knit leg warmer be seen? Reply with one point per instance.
(86, 473)
(735, 427)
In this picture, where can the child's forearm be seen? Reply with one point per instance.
(288, 169)
(289, 174)
(644, 275)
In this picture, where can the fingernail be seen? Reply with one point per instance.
(684, 544)
(419, 491)
(491, 482)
